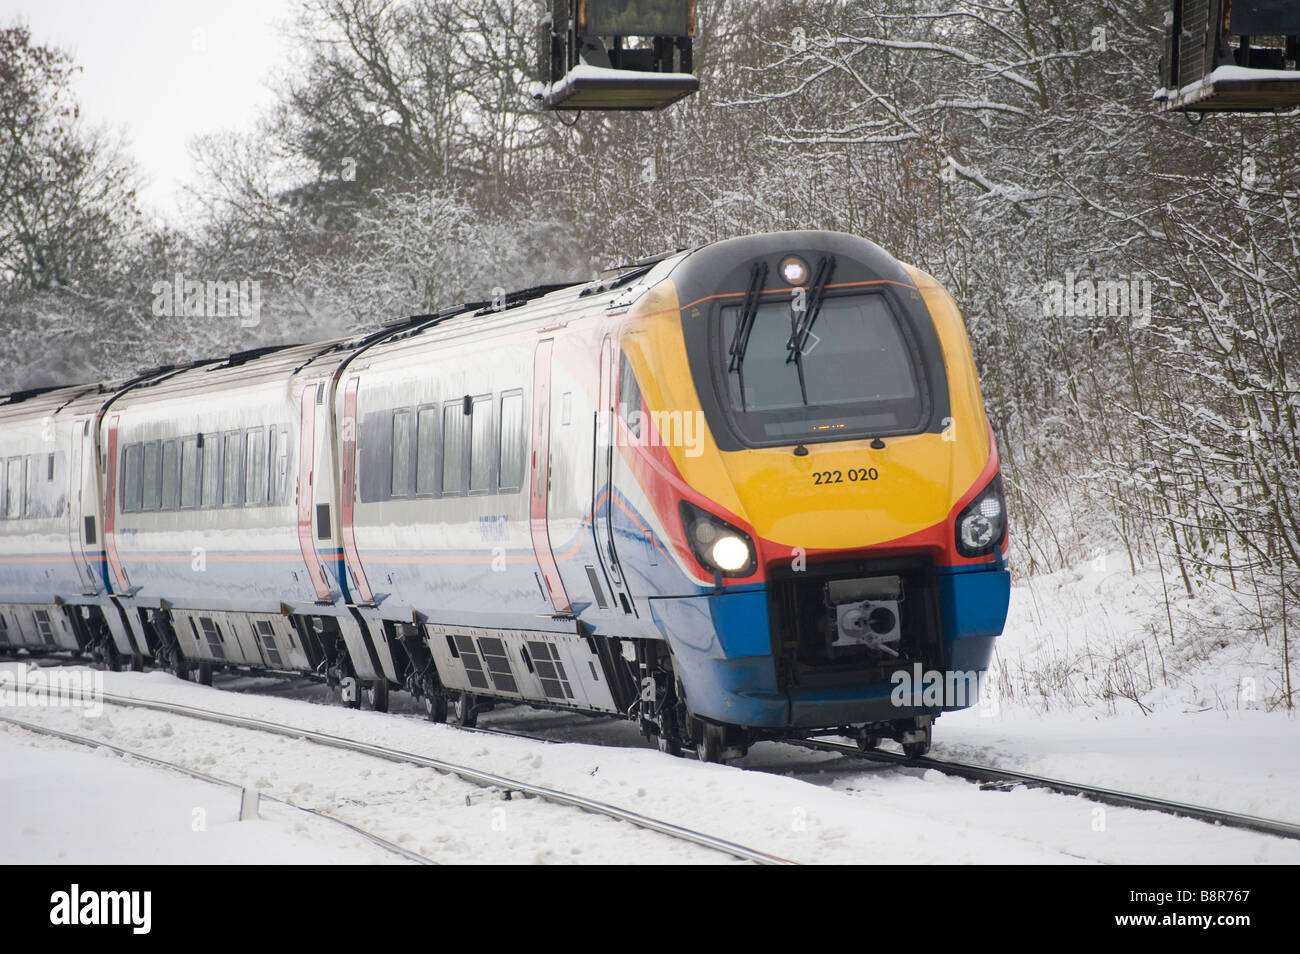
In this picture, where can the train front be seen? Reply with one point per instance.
(833, 525)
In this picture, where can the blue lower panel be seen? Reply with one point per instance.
(722, 647)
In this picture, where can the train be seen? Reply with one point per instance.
(738, 492)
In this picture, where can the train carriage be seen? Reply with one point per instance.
(743, 491)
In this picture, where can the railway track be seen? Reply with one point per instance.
(474, 776)
(991, 777)
(986, 776)
(369, 836)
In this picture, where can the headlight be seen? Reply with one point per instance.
(794, 270)
(982, 525)
(717, 544)
(730, 553)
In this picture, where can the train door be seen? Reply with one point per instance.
(361, 592)
(82, 512)
(540, 477)
(119, 580)
(602, 481)
(307, 518)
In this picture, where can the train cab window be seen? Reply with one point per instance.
(171, 473)
(151, 476)
(131, 479)
(401, 483)
(426, 451)
(480, 448)
(13, 486)
(191, 476)
(254, 468)
(232, 470)
(512, 438)
(856, 375)
(210, 461)
(454, 425)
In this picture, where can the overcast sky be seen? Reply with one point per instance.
(164, 71)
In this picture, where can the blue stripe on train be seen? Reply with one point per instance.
(722, 645)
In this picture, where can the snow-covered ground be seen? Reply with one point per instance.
(1100, 636)
(809, 807)
(65, 804)
(1101, 683)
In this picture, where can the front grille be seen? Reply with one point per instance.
(804, 624)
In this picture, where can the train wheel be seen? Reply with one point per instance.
(203, 675)
(868, 742)
(916, 741)
(435, 707)
(462, 711)
(110, 657)
(177, 664)
(914, 750)
(670, 746)
(350, 692)
(710, 744)
(375, 695)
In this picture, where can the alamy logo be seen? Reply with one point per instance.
(76, 907)
(932, 688)
(186, 298)
(1128, 296)
(684, 429)
(30, 686)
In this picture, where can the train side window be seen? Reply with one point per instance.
(401, 485)
(31, 502)
(280, 475)
(13, 490)
(454, 425)
(270, 481)
(254, 468)
(210, 454)
(629, 397)
(151, 477)
(511, 456)
(232, 470)
(171, 472)
(275, 462)
(426, 451)
(191, 476)
(130, 479)
(4, 490)
(374, 456)
(480, 448)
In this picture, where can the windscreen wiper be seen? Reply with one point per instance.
(813, 307)
(745, 325)
(802, 325)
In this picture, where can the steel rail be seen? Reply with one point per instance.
(1106, 796)
(472, 775)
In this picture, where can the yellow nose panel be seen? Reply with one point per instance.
(841, 495)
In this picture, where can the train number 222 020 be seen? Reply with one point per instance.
(853, 475)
